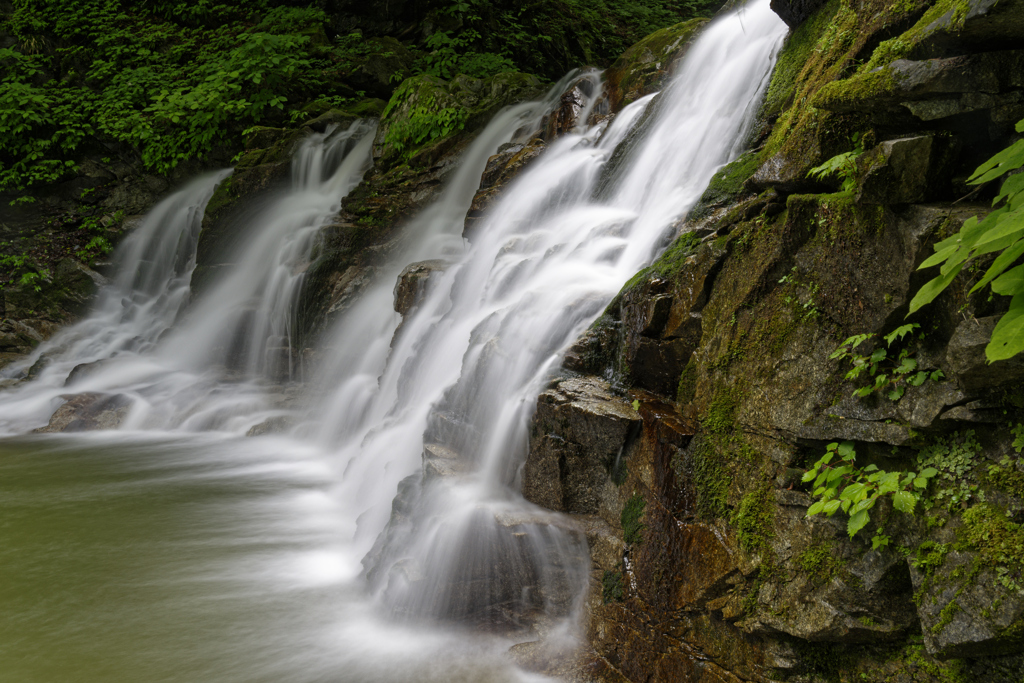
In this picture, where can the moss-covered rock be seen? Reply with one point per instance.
(427, 115)
(641, 68)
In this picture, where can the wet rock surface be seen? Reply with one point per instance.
(88, 412)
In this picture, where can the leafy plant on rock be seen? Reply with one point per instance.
(1002, 232)
(844, 165)
(840, 485)
(890, 375)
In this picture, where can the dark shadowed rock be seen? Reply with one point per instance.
(794, 12)
(413, 282)
(968, 364)
(906, 171)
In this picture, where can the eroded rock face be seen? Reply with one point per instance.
(579, 434)
(412, 284)
(966, 611)
(965, 356)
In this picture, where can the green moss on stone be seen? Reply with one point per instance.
(721, 414)
(794, 57)
(754, 519)
(820, 562)
(630, 518)
(611, 587)
(998, 542)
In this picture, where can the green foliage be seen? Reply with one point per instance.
(844, 165)
(630, 518)
(891, 375)
(611, 587)
(1000, 232)
(844, 486)
(20, 270)
(173, 80)
(954, 459)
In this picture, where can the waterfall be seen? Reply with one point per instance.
(461, 379)
(143, 347)
(415, 429)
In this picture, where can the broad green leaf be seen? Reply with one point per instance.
(871, 468)
(920, 483)
(879, 355)
(815, 508)
(928, 472)
(1007, 160)
(865, 504)
(1010, 283)
(1011, 186)
(940, 255)
(918, 379)
(846, 449)
(1009, 226)
(831, 507)
(896, 394)
(888, 483)
(900, 332)
(808, 475)
(857, 522)
(904, 501)
(1008, 336)
(852, 491)
(932, 289)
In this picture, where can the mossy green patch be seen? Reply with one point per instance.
(754, 519)
(796, 53)
(611, 587)
(687, 388)
(728, 183)
(630, 518)
(820, 562)
(998, 542)
(639, 69)
(721, 414)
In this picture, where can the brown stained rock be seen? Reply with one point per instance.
(579, 433)
(501, 168)
(565, 118)
(88, 412)
(413, 282)
(681, 566)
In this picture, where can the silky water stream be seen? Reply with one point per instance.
(174, 549)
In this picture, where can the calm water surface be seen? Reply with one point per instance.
(128, 557)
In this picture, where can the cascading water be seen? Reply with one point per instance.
(462, 544)
(268, 538)
(137, 346)
(247, 319)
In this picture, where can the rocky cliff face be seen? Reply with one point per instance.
(685, 418)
